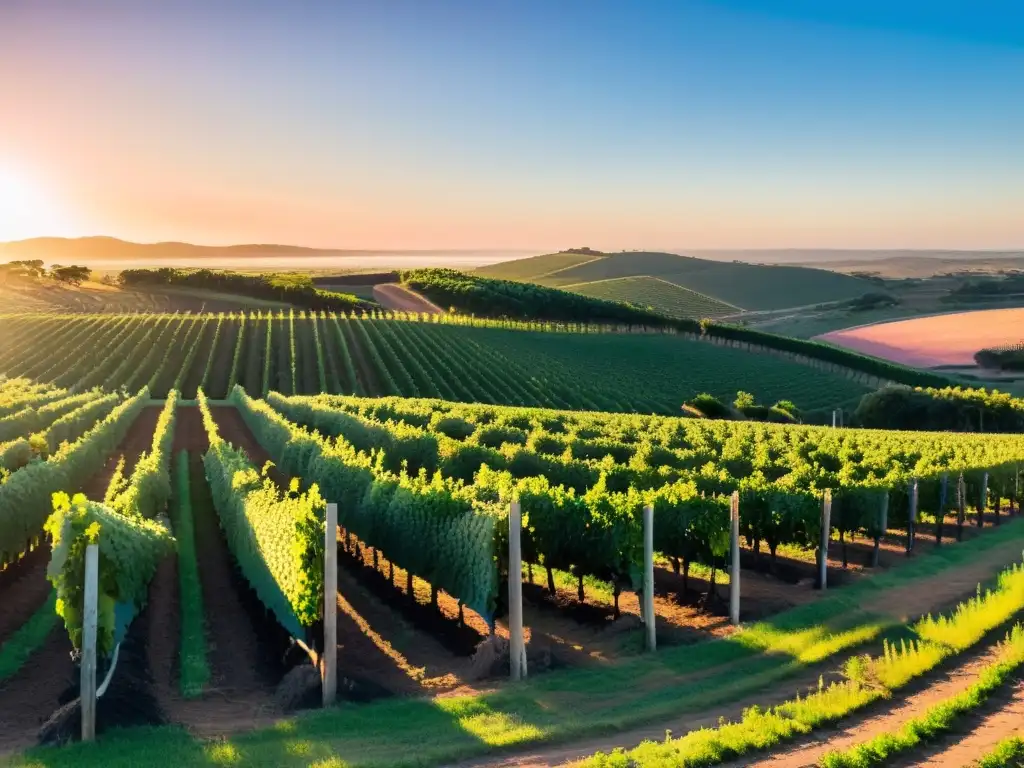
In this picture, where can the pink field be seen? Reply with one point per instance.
(929, 341)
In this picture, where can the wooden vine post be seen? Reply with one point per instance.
(961, 507)
(89, 625)
(912, 524)
(826, 534)
(648, 595)
(1016, 489)
(329, 663)
(983, 500)
(516, 643)
(734, 559)
(883, 525)
(940, 516)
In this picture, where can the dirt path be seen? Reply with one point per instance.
(1003, 717)
(920, 596)
(885, 718)
(402, 299)
(926, 595)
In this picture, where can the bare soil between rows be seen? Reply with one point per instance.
(244, 645)
(30, 696)
(24, 588)
(1001, 716)
(398, 297)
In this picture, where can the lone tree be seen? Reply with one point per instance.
(74, 275)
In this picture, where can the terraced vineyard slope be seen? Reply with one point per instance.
(748, 286)
(658, 294)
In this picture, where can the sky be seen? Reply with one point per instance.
(534, 124)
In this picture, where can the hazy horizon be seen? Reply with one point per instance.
(736, 124)
(99, 251)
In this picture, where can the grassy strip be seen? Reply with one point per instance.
(554, 707)
(195, 672)
(23, 643)
(938, 719)
(1008, 753)
(869, 680)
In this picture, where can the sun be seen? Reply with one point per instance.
(25, 208)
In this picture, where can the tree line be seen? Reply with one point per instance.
(291, 288)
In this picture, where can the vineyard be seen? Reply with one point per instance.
(305, 353)
(662, 296)
(737, 284)
(199, 453)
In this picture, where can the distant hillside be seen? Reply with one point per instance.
(741, 285)
(90, 250)
(110, 248)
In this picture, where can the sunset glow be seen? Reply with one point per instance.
(734, 124)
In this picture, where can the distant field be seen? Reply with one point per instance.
(661, 295)
(932, 341)
(297, 354)
(746, 286)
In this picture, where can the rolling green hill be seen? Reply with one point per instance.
(746, 286)
(658, 294)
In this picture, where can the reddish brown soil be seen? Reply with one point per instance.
(163, 635)
(442, 622)
(400, 298)
(233, 428)
(29, 697)
(138, 440)
(24, 588)
(189, 432)
(930, 341)
(885, 717)
(364, 656)
(919, 597)
(1000, 718)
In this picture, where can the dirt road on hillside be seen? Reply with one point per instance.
(400, 298)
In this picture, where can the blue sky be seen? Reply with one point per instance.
(434, 124)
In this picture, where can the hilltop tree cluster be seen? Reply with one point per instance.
(489, 297)
(296, 289)
(34, 270)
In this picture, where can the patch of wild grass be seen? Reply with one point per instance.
(938, 719)
(973, 618)
(23, 643)
(195, 670)
(1008, 753)
(868, 679)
